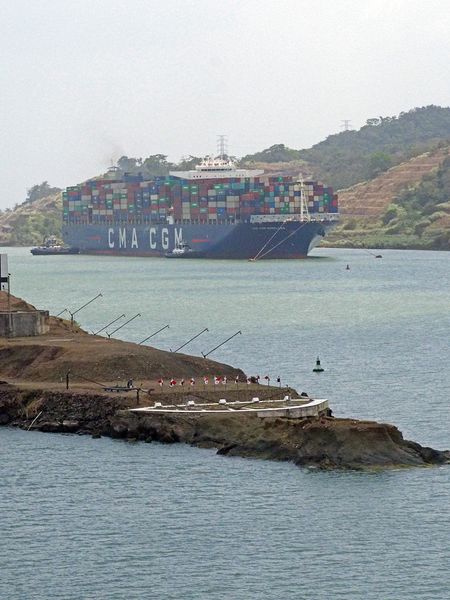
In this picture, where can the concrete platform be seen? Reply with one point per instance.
(295, 408)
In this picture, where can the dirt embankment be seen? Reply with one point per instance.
(324, 443)
(48, 358)
(370, 198)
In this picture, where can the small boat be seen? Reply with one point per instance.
(182, 250)
(52, 246)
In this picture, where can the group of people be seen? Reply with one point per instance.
(216, 380)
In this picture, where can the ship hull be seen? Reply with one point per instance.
(53, 252)
(292, 239)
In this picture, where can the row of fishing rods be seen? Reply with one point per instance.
(136, 316)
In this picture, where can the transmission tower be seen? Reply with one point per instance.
(346, 124)
(222, 146)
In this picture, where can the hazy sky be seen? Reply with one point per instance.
(86, 81)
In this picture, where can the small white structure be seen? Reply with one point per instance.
(295, 408)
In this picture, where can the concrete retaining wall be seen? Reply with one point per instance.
(24, 324)
(311, 409)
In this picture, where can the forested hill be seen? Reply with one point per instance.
(349, 157)
(352, 156)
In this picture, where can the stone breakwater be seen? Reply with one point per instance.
(324, 442)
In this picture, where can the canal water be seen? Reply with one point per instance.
(85, 518)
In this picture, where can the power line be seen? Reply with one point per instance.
(346, 124)
(222, 145)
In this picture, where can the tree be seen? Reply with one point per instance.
(39, 191)
(392, 212)
(128, 165)
(156, 164)
(378, 163)
(276, 153)
(188, 162)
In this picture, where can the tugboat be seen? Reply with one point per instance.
(183, 250)
(52, 246)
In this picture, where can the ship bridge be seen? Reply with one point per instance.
(216, 168)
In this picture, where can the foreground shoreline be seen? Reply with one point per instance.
(316, 442)
(34, 371)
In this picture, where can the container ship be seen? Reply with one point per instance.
(213, 211)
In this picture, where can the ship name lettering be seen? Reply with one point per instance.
(134, 242)
(152, 234)
(165, 238)
(122, 238)
(110, 240)
(178, 237)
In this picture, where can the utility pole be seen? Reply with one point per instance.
(9, 306)
(5, 279)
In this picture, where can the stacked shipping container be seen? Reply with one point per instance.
(205, 201)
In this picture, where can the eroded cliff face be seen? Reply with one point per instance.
(325, 442)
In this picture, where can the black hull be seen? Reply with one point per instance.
(49, 252)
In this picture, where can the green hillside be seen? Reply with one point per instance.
(353, 156)
(349, 157)
(418, 216)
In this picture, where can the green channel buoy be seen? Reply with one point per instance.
(318, 368)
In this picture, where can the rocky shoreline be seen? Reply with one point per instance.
(324, 442)
(66, 381)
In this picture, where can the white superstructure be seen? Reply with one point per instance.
(216, 168)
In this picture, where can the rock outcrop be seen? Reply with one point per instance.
(324, 443)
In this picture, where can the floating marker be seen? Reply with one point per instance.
(318, 368)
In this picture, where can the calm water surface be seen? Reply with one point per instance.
(84, 518)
